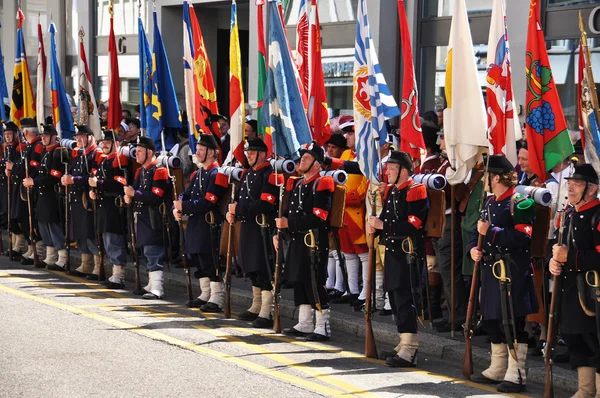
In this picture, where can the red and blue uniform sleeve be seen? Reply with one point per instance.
(55, 172)
(217, 187)
(35, 157)
(268, 197)
(319, 215)
(161, 187)
(515, 237)
(411, 223)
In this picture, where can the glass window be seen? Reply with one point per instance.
(329, 10)
(562, 3)
(125, 17)
(443, 8)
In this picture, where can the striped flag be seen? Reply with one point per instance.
(411, 136)
(188, 77)
(284, 109)
(465, 123)
(86, 90)
(302, 40)
(206, 94)
(61, 110)
(22, 101)
(318, 113)
(373, 101)
(4, 101)
(263, 133)
(115, 112)
(40, 96)
(145, 72)
(236, 91)
(503, 123)
(548, 137)
(164, 107)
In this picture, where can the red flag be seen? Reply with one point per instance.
(114, 85)
(302, 45)
(318, 113)
(206, 94)
(411, 137)
(547, 133)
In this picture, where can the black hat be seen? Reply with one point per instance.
(498, 164)
(145, 142)
(338, 140)
(132, 120)
(315, 150)
(28, 122)
(256, 144)
(401, 158)
(82, 129)
(430, 136)
(107, 135)
(48, 129)
(209, 141)
(584, 172)
(252, 123)
(10, 126)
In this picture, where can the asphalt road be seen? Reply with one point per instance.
(63, 336)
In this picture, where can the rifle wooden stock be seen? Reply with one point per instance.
(67, 228)
(277, 276)
(549, 384)
(182, 253)
(9, 215)
(468, 359)
(99, 242)
(136, 262)
(370, 346)
(228, 261)
(36, 259)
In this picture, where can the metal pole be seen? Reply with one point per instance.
(452, 260)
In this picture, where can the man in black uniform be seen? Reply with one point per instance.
(27, 163)
(577, 261)
(47, 209)
(257, 201)
(112, 175)
(199, 203)
(9, 154)
(86, 158)
(400, 226)
(506, 231)
(307, 224)
(150, 190)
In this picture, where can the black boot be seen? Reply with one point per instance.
(435, 293)
(262, 323)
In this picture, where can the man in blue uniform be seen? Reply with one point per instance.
(506, 227)
(47, 209)
(150, 190)
(305, 228)
(256, 202)
(114, 172)
(86, 158)
(400, 226)
(576, 260)
(200, 203)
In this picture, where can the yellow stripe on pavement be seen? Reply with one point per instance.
(179, 343)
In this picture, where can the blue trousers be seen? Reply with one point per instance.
(115, 247)
(155, 256)
(52, 235)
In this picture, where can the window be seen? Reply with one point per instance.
(443, 8)
(329, 10)
(563, 3)
(125, 17)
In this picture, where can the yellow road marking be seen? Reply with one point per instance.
(177, 342)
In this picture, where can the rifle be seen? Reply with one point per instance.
(552, 315)
(99, 241)
(132, 241)
(186, 265)
(8, 213)
(67, 221)
(370, 346)
(473, 294)
(229, 258)
(278, 266)
(36, 259)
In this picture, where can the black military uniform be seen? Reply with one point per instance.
(404, 215)
(308, 223)
(200, 202)
(83, 165)
(152, 189)
(9, 154)
(26, 164)
(114, 172)
(579, 328)
(48, 209)
(257, 201)
(508, 238)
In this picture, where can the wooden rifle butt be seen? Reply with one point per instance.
(370, 345)
(468, 358)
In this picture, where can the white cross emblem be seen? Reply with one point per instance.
(211, 197)
(528, 229)
(317, 212)
(412, 219)
(269, 197)
(156, 191)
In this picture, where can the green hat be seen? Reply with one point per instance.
(524, 210)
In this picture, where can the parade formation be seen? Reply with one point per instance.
(491, 231)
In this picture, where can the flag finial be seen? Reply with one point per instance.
(110, 8)
(81, 34)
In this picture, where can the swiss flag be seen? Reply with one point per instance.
(121, 179)
(157, 191)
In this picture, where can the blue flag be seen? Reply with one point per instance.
(4, 101)
(145, 63)
(61, 110)
(283, 109)
(373, 101)
(164, 110)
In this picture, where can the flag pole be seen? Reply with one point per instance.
(588, 67)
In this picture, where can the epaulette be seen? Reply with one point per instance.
(39, 149)
(222, 180)
(161, 173)
(325, 184)
(276, 179)
(416, 192)
(99, 156)
(120, 161)
(75, 152)
(193, 174)
(136, 173)
(291, 183)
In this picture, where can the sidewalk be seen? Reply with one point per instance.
(343, 318)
